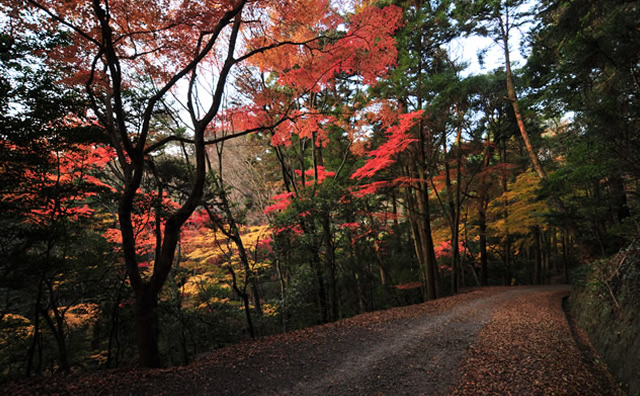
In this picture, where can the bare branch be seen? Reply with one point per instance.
(220, 139)
(224, 21)
(65, 23)
(277, 45)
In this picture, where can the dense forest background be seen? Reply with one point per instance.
(179, 177)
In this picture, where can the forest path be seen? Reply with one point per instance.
(496, 340)
(414, 355)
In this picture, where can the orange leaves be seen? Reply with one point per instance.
(282, 134)
(360, 127)
(327, 44)
(238, 119)
(145, 225)
(305, 125)
(371, 43)
(295, 22)
(303, 17)
(444, 249)
(372, 188)
(154, 38)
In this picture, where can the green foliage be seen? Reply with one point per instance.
(328, 252)
(54, 262)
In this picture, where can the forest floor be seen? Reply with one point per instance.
(496, 340)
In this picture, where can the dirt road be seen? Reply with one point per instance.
(414, 355)
(500, 340)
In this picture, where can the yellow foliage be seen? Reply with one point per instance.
(14, 327)
(194, 283)
(81, 315)
(441, 231)
(210, 256)
(100, 357)
(213, 247)
(269, 310)
(524, 211)
(251, 236)
(214, 300)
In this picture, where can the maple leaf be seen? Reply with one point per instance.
(283, 201)
(70, 176)
(398, 139)
(371, 188)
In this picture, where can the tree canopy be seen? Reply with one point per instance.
(178, 176)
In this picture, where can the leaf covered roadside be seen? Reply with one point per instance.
(527, 348)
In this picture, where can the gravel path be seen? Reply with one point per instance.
(498, 340)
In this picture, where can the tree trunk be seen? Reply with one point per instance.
(36, 328)
(538, 264)
(482, 219)
(513, 98)
(322, 291)
(58, 330)
(432, 289)
(565, 255)
(113, 331)
(505, 211)
(554, 244)
(457, 206)
(331, 263)
(147, 328)
(547, 257)
(509, 279)
(453, 215)
(283, 289)
(619, 198)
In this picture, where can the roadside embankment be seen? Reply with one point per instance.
(606, 303)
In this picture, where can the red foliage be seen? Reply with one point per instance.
(62, 190)
(372, 188)
(444, 249)
(405, 181)
(367, 47)
(283, 201)
(407, 286)
(311, 173)
(265, 244)
(295, 229)
(398, 140)
(305, 125)
(144, 222)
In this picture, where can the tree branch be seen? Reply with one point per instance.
(65, 23)
(221, 139)
(224, 21)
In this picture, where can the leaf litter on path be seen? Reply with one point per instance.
(496, 340)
